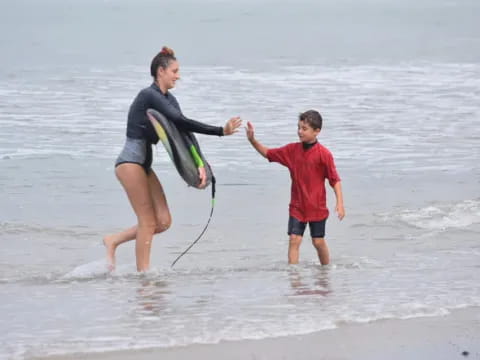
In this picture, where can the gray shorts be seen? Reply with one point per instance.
(136, 151)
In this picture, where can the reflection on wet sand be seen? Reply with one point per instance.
(151, 297)
(316, 283)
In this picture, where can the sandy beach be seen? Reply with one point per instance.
(454, 336)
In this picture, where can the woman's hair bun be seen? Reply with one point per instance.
(167, 51)
(162, 59)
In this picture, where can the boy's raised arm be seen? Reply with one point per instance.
(250, 130)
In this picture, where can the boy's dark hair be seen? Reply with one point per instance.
(312, 118)
(162, 59)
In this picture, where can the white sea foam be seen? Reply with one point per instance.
(402, 117)
(441, 217)
(92, 270)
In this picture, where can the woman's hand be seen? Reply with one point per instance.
(232, 125)
(202, 173)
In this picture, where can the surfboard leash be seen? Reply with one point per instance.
(206, 226)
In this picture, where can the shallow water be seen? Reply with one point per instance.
(400, 119)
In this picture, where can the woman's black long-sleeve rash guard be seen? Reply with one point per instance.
(139, 127)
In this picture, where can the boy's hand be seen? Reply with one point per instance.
(340, 211)
(232, 125)
(250, 130)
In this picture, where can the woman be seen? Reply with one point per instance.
(133, 166)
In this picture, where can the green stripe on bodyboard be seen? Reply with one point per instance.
(198, 160)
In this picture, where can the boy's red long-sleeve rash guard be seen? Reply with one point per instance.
(308, 170)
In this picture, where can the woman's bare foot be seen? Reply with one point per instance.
(109, 242)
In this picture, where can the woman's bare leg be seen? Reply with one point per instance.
(162, 212)
(113, 240)
(163, 219)
(162, 215)
(135, 182)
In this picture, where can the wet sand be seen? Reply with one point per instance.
(454, 336)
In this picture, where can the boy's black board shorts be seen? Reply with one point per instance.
(296, 227)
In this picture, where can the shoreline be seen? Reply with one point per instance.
(453, 336)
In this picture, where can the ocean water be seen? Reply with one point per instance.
(398, 85)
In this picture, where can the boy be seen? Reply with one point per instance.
(310, 163)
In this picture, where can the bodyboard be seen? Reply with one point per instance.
(178, 144)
